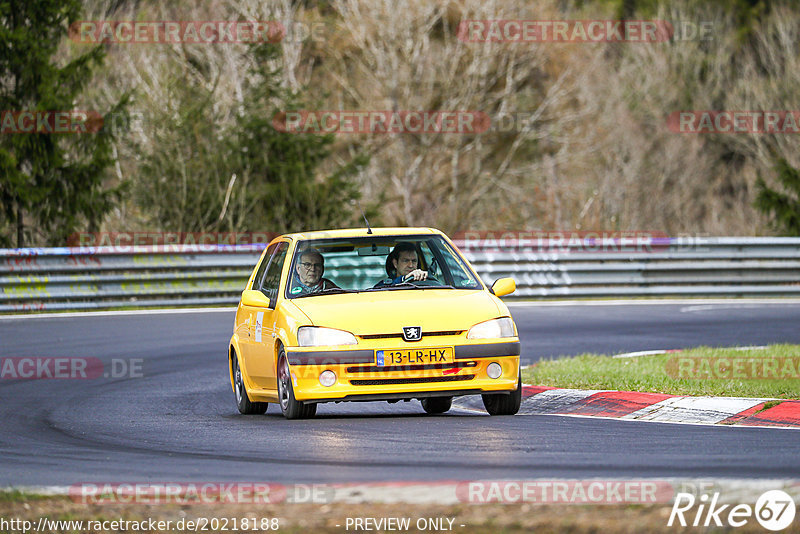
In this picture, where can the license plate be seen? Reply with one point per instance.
(385, 358)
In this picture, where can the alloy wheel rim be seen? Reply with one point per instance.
(284, 383)
(238, 381)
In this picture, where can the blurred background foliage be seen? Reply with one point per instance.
(579, 137)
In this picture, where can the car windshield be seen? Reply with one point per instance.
(364, 264)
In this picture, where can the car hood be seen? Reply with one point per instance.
(385, 312)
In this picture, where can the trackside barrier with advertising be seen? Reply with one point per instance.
(116, 272)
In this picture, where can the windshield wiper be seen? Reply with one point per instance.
(405, 285)
(400, 285)
(335, 290)
(327, 291)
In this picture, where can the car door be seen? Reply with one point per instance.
(244, 316)
(260, 349)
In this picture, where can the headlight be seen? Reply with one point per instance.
(315, 336)
(502, 327)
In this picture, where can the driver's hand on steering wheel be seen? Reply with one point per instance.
(416, 275)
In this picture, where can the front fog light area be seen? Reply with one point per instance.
(494, 370)
(327, 378)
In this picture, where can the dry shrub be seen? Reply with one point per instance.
(594, 152)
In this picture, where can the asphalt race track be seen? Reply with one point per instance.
(178, 421)
(551, 330)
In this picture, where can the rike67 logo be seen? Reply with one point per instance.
(774, 510)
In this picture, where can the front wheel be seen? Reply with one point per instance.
(242, 401)
(291, 407)
(436, 405)
(504, 403)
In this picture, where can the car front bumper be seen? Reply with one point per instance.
(359, 378)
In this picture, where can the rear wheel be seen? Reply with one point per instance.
(504, 403)
(242, 401)
(291, 407)
(436, 405)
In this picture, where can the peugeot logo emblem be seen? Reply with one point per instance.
(412, 333)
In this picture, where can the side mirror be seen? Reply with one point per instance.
(254, 299)
(504, 286)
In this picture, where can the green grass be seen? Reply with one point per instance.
(7, 495)
(684, 373)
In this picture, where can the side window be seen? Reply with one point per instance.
(459, 273)
(272, 277)
(263, 267)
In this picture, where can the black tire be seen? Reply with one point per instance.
(504, 403)
(436, 405)
(291, 407)
(242, 400)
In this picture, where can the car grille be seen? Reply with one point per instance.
(400, 334)
(375, 368)
(419, 380)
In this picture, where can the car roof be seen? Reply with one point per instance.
(361, 232)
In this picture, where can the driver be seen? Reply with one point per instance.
(309, 269)
(402, 265)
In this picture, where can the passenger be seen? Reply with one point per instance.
(309, 269)
(402, 265)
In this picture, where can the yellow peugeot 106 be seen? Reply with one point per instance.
(371, 314)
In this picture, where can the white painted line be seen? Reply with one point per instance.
(720, 306)
(709, 410)
(671, 351)
(396, 493)
(640, 353)
(645, 302)
(170, 311)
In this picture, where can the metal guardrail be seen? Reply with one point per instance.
(71, 278)
(723, 266)
(188, 275)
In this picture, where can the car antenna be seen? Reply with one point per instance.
(369, 229)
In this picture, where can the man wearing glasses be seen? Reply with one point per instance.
(309, 271)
